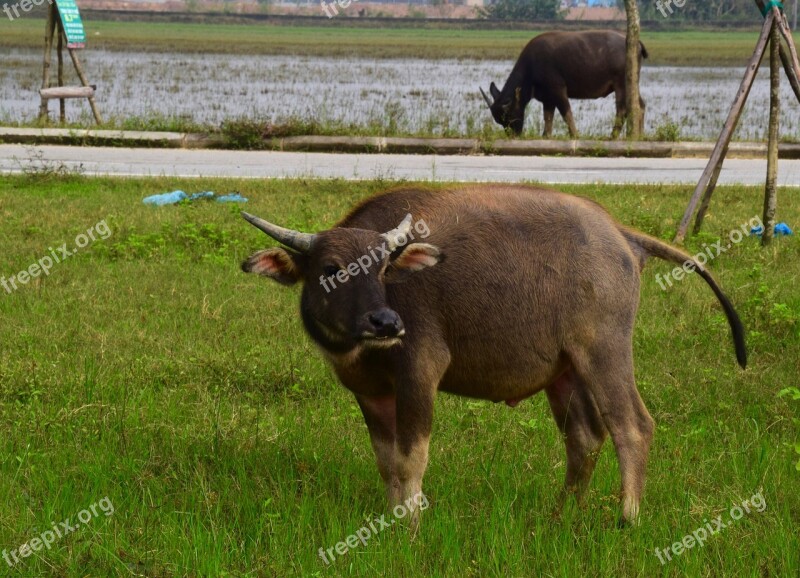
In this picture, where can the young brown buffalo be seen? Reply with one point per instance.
(514, 290)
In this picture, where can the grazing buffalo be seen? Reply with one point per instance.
(497, 292)
(557, 66)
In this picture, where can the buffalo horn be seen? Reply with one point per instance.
(393, 236)
(486, 98)
(296, 240)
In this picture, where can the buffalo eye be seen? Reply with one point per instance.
(331, 270)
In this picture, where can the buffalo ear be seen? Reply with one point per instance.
(494, 92)
(285, 267)
(415, 257)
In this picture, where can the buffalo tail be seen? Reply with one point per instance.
(646, 246)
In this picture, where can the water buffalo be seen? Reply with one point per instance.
(557, 66)
(503, 291)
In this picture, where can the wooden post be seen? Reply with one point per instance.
(634, 119)
(82, 76)
(770, 194)
(61, 103)
(48, 48)
(718, 155)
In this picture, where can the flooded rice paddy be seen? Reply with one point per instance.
(404, 96)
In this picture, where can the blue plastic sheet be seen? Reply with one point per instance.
(232, 198)
(165, 199)
(177, 196)
(780, 229)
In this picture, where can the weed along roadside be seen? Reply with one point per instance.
(387, 145)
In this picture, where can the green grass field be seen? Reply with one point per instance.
(695, 48)
(147, 369)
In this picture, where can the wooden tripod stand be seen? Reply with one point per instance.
(775, 26)
(62, 92)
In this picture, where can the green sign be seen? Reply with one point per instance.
(71, 21)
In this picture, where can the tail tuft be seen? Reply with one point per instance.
(737, 329)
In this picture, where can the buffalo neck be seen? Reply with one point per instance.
(520, 78)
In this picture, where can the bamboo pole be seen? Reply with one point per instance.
(61, 102)
(82, 76)
(718, 155)
(789, 59)
(770, 193)
(712, 186)
(786, 31)
(48, 48)
(794, 69)
(789, 68)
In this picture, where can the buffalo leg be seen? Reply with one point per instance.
(580, 423)
(643, 108)
(607, 370)
(415, 392)
(549, 114)
(380, 417)
(415, 411)
(622, 110)
(565, 110)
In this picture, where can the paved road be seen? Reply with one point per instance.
(213, 163)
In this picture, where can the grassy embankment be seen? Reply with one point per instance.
(147, 368)
(695, 48)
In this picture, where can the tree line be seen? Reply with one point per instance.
(695, 10)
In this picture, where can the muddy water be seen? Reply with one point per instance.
(410, 96)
